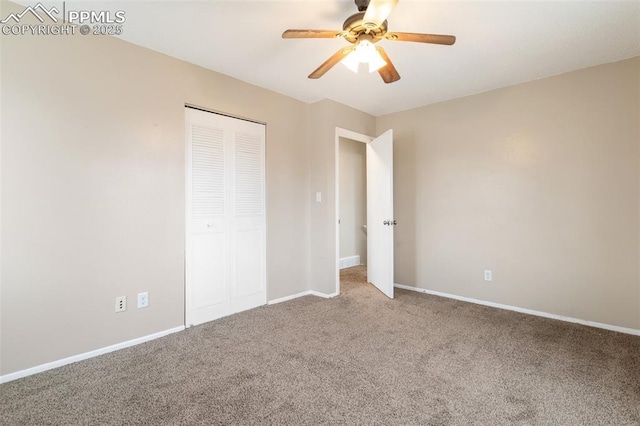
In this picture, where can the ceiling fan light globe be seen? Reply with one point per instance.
(366, 53)
(365, 50)
(351, 61)
(376, 62)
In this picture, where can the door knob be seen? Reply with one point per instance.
(395, 222)
(386, 222)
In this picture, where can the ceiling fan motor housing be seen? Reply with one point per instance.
(354, 26)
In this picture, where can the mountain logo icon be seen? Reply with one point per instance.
(34, 11)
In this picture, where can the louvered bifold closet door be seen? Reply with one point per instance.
(225, 216)
(249, 215)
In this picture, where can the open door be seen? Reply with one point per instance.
(380, 219)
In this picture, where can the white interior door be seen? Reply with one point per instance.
(225, 257)
(380, 219)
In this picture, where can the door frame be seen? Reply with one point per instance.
(358, 137)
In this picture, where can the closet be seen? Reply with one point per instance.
(225, 241)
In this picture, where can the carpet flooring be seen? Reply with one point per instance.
(359, 358)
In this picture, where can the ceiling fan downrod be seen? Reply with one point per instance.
(362, 5)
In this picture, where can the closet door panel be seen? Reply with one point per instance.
(249, 218)
(207, 271)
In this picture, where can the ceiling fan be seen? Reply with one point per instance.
(362, 30)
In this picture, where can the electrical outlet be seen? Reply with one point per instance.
(121, 304)
(143, 299)
(488, 275)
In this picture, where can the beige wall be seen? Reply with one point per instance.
(324, 117)
(93, 190)
(539, 182)
(353, 199)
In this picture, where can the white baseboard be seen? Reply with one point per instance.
(301, 294)
(524, 310)
(348, 262)
(286, 298)
(75, 358)
(323, 295)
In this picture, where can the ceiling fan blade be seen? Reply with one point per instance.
(388, 72)
(422, 38)
(329, 63)
(377, 12)
(311, 34)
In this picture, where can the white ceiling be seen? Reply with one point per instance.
(499, 43)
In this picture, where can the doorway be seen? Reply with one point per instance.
(379, 209)
(352, 206)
